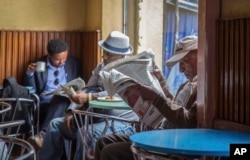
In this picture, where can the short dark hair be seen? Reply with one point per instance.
(56, 46)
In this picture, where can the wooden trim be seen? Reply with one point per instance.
(227, 125)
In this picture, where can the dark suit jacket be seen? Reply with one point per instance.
(39, 79)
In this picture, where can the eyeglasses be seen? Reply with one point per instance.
(105, 53)
(56, 81)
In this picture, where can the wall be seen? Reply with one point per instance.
(146, 26)
(42, 15)
(151, 27)
(93, 15)
(144, 18)
(112, 16)
(133, 19)
(235, 9)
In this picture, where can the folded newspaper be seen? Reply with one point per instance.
(70, 87)
(138, 67)
(118, 76)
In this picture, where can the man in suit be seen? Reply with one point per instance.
(60, 68)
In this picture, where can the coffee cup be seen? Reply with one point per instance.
(40, 66)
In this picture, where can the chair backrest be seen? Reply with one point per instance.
(22, 109)
(7, 127)
(4, 108)
(15, 148)
(10, 146)
(140, 154)
(11, 128)
(83, 118)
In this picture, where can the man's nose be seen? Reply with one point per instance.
(104, 57)
(61, 62)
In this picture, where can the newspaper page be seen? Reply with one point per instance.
(70, 87)
(116, 82)
(119, 75)
(146, 111)
(137, 67)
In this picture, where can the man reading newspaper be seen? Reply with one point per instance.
(179, 111)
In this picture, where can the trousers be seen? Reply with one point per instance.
(56, 137)
(55, 108)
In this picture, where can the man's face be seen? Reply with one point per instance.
(188, 65)
(108, 57)
(59, 59)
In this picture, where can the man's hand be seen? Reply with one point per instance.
(158, 74)
(31, 68)
(79, 98)
(146, 92)
(69, 122)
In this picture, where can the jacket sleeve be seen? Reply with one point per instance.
(180, 116)
(165, 89)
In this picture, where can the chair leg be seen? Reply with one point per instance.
(70, 147)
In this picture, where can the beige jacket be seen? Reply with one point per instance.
(180, 111)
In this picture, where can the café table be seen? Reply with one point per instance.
(191, 142)
(105, 105)
(109, 104)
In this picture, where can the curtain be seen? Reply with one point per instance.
(188, 25)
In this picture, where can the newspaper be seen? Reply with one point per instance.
(118, 76)
(116, 82)
(68, 88)
(137, 67)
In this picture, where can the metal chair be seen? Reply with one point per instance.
(15, 148)
(33, 110)
(12, 147)
(84, 118)
(11, 128)
(142, 154)
(4, 108)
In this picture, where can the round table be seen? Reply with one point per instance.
(193, 142)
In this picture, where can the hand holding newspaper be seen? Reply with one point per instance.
(65, 90)
(68, 90)
(138, 96)
(120, 75)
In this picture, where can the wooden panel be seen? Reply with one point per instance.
(234, 77)
(227, 125)
(19, 48)
(247, 69)
(88, 57)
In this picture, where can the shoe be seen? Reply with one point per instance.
(36, 141)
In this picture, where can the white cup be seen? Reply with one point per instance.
(40, 66)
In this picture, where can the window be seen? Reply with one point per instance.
(187, 13)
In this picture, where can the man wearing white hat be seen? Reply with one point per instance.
(115, 46)
(179, 111)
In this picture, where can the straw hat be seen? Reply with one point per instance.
(116, 43)
(183, 47)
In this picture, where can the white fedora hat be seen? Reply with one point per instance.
(183, 47)
(116, 43)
